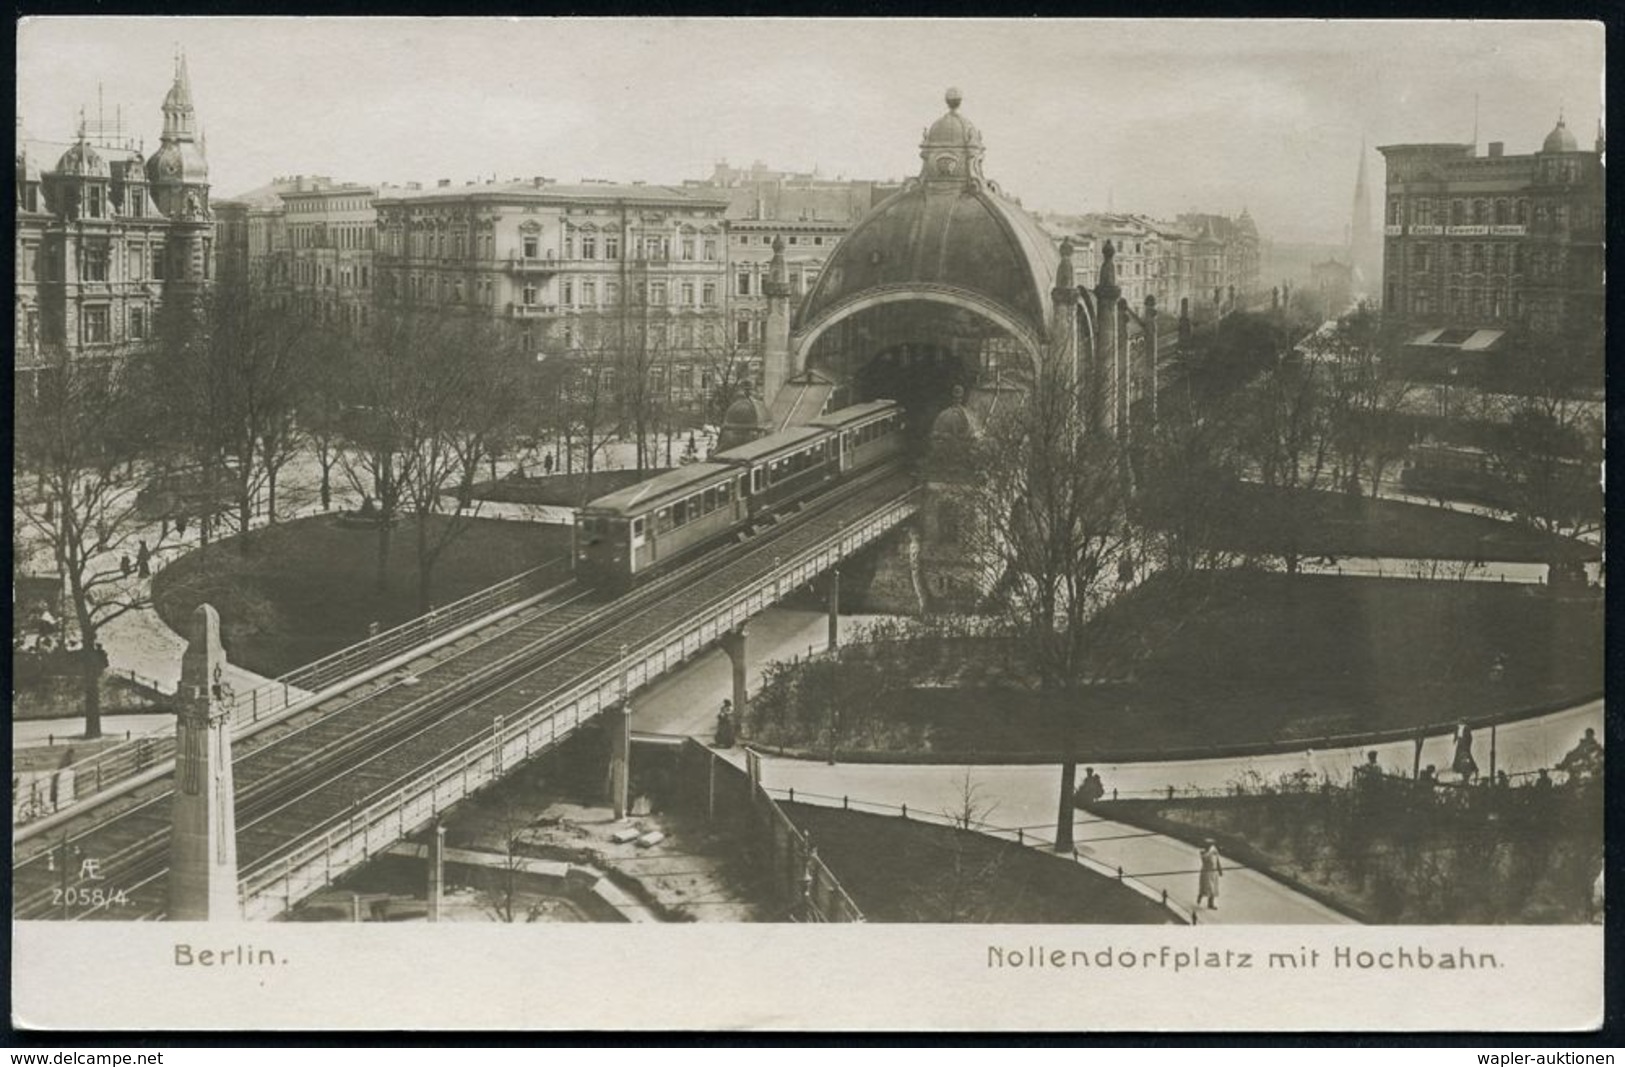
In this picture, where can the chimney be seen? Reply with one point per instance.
(1497, 149)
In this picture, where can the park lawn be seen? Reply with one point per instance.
(1256, 659)
(901, 870)
(307, 587)
(1338, 524)
(1475, 855)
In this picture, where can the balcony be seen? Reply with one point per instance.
(533, 265)
(531, 311)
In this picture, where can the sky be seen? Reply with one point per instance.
(1152, 117)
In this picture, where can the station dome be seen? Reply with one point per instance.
(178, 161)
(949, 231)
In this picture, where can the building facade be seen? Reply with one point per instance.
(104, 237)
(1206, 259)
(331, 232)
(636, 271)
(1483, 243)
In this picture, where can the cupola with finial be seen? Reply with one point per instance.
(951, 150)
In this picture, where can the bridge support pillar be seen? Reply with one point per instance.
(834, 609)
(437, 871)
(620, 758)
(733, 643)
(203, 837)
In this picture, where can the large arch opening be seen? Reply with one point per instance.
(916, 351)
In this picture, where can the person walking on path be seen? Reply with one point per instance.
(124, 566)
(1207, 886)
(725, 725)
(143, 560)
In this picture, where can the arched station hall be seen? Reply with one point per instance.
(947, 283)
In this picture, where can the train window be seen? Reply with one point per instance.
(637, 527)
(663, 520)
(757, 480)
(679, 513)
(710, 501)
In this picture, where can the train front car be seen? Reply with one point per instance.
(865, 434)
(633, 532)
(783, 467)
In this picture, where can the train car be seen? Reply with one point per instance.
(865, 434)
(633, 531)
(783, 467)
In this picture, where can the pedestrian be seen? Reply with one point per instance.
(725, 725)
(163, 527)
(1464, 765)
(143, 560)
(547, 463)
(180, 525)
(1368, 775)
(1090, 791)
(1207, 886)
(124, 566)
(1543, 781)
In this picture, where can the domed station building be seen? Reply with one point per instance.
(946, 294)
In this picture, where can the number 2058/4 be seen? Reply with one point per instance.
(95, 898)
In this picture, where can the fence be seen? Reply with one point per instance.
(802, 883)
(1025, 836)
(138, 755)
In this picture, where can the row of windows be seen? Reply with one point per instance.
(1460, 211)
(871, 431)
(1494, 258)
(795, 463)
(300, 206)
(95, 324)
(689, 509)
(345, 277)
(767, 239)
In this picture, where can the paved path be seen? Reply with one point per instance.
(1026, 797)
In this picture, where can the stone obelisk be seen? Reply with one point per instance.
(203, 839)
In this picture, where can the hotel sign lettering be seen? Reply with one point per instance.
(1426, 231)
(1392, 231)
(1467, 231)
(1509, 231)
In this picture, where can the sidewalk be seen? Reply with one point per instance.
(1026, 797)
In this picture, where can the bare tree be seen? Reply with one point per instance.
(1547, 447)
(1287, 439)
(231, 370)
(1048, 523)
(75, 434)
(1366, 397)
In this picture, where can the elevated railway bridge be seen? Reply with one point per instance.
(336, 777)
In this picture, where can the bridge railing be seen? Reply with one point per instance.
(119, 763)
(310, 863)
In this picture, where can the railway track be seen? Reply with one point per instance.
(314, 769)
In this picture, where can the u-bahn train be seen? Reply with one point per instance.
(629, 534)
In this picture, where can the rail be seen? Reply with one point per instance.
(305, 865)
(119, 763)
(1025, 836)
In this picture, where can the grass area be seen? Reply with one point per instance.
(307, 588)
(1236, 658)
(897, 870)
(1339, 524)
(1396, 855)
(560, 490)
